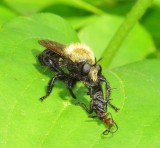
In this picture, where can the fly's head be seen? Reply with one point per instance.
(91, 72)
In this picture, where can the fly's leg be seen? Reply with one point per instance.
(59, 74)
(45, 60)
(70, 84)
(50, 86)
(71, 92)
(62, 77)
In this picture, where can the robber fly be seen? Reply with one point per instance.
(77, 62)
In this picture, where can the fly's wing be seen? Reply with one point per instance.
(53, 46)
(56, 48)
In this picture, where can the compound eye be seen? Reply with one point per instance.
(86, 68)
(99, 68)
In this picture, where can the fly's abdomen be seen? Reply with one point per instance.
(43, 57)
(47, 57)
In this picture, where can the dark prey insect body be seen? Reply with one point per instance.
(73, 63)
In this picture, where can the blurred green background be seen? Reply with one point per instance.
(95, 19)
(133, 69)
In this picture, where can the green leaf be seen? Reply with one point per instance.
(151, 23)
(117, 7)
(23, 117)
(137, 46)
(140, 113)
(5, 15)
(157, 2)
(58, 122)
(80, 22)
(29, 7)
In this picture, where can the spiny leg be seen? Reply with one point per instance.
(55, 68)
(108, 88)
(114, 127)
(108, 91)
(106, 132)
(50, 86)
(93, 116)
(114, 107)
(70, 84)
(63, 76)
(45, 61)
(90, 110)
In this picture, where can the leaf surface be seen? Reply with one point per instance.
(58, 122)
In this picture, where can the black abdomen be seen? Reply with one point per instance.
(47, 56)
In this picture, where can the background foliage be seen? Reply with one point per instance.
(131, 64)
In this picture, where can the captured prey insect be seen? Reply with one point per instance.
(99, 105)
(77, 62)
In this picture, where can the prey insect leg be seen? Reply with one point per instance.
(93, 116)
(108, 89)
(114, 107)
(90, 110)
(112, 126)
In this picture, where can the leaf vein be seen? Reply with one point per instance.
(123, 88)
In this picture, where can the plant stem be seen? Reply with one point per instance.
(131, 19)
